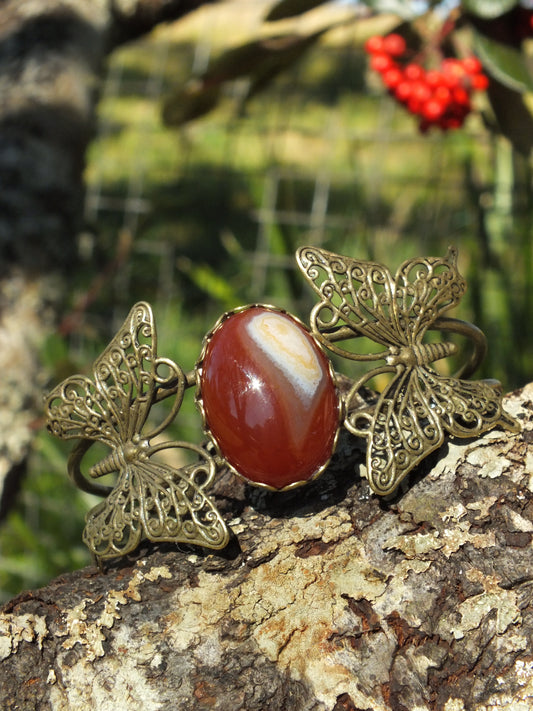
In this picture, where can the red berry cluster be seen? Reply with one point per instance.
(440, 97)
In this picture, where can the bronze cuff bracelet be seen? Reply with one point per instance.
(270, 401)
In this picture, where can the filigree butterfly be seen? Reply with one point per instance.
(417, 406)
(150, 499)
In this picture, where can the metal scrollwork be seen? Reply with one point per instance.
(150, 499)
(418, 406)
(408, 419)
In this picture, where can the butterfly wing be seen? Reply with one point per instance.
(113, 527)
(401, 431)
(356, 298)
(466, 408)
(412, 415)
(76, 408)
(128, 373)
(425, 288)
(157, 502)
(114, 405)
(361, 298)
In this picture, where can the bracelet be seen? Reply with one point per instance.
(270, 401)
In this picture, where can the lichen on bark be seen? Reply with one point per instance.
(327, 599)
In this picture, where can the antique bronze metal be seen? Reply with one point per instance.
(150, 499)
(360, 302)
(418, 406)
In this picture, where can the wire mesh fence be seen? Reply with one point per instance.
(341, 168)
(205, 216)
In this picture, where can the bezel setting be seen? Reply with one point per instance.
(199, 396)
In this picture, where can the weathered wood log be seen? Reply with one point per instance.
(327, 599)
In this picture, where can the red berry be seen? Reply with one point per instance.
(381, 62)
(460, 96)
(434, 79)
(413, 72)
(439, 97)
(374, 45)
(413, 105)
(472, 65)
(432, 109)
(403, 91)
(392, 77)
(451, 122)
(442, 94)
(479, 82)
(452, 72)
(394, 45)
(420, 91)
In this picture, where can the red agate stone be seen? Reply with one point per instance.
(268, 397)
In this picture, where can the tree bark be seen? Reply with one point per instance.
(327, 599)
(51, 61)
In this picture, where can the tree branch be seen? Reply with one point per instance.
(134, 18)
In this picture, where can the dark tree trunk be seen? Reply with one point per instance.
(52, 56)
(328, 599)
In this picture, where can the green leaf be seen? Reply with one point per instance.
(210, 282)
(504, 63)
(192, 102)
(261, 56)
(488, 9)
(260, 60)
(291, 8)
(513, 116)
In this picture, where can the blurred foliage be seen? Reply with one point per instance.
(41, 535)
(237, 168)
(501, 31)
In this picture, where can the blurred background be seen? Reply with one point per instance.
(208, 169)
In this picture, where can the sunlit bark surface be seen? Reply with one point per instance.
(327, 599)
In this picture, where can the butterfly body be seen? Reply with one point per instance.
(122, 456)
(150, 499)
(417, 407)
(419, 354)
